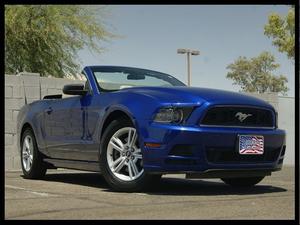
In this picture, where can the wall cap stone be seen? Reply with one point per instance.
(28, 74)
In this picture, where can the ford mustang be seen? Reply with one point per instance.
(134, 125)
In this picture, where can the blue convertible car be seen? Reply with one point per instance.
(134, 125)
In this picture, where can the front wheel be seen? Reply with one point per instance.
(121, 160)
(242, 182)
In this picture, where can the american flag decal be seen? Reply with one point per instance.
(251, 145)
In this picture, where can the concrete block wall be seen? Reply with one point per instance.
(36, 88)
(286, 121)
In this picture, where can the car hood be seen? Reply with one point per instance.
(193, 95)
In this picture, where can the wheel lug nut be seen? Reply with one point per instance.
(132, 157)
(127, 160)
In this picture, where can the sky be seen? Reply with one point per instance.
(150, 36)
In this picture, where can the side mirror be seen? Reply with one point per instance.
(74, 89)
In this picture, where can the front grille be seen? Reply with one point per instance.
(238, 116)
(225, 155)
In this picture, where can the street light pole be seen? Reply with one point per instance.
(189, 68)
(188, 52)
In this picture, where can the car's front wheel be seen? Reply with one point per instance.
(242, 182)
(121, 160)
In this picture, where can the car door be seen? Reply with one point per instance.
(70, 126)
(59, 134)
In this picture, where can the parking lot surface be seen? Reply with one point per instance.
(69, 194)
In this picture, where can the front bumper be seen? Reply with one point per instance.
(195, 149)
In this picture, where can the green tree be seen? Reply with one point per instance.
(256, 74)
(282, 31)
(46, 38)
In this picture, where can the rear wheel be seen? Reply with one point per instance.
(242, 182)
(121, 160)
(32, 163)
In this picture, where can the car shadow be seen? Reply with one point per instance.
(167, 185)
(177, 186)
(89, 179)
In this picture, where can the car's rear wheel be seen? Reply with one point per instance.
(32, 163)
(121, 160)
(242, 182)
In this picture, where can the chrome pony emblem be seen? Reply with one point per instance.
(242, 116)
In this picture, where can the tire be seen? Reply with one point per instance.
(35, 168)
(242, 182)
(117, 159)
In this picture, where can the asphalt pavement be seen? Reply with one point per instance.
(70, 194)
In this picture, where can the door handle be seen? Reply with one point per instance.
(49, 110)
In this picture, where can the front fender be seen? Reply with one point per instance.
(115, 108)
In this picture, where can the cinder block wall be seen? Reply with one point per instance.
(286, 121)
(16, 86)
(37, 87)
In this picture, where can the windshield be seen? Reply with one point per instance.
(110, 78)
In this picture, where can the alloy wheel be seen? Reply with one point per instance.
(27, 153)
(124, 155)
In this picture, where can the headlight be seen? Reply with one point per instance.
(173, 115)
